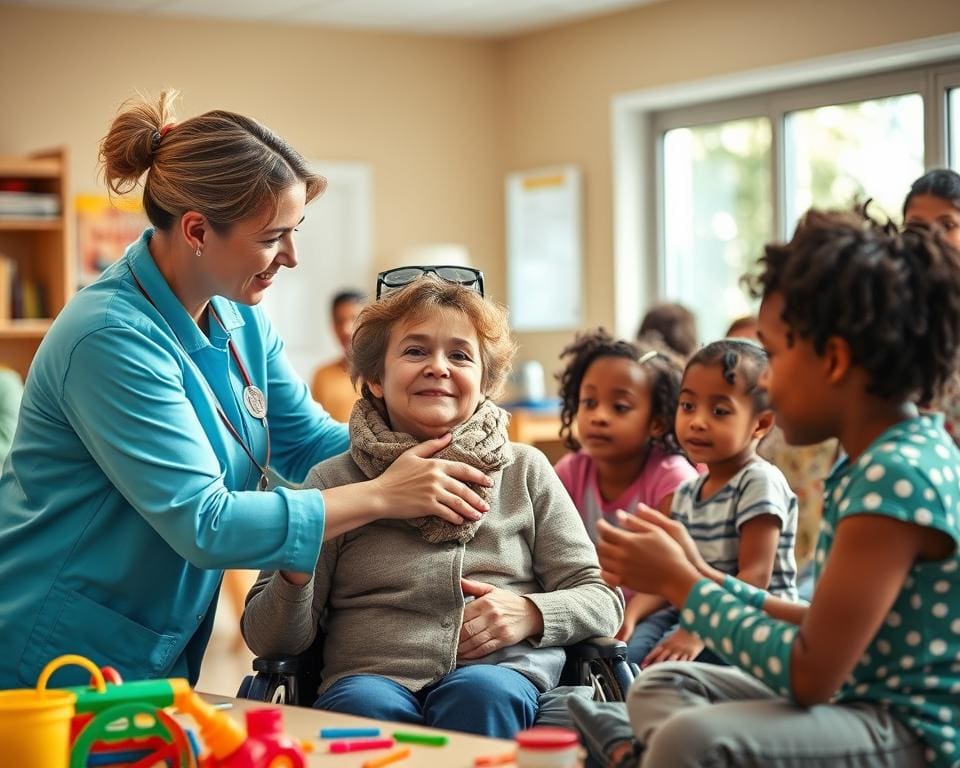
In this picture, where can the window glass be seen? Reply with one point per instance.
(842, 153)
(718, 214)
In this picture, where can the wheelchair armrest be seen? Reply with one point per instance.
(281, 665)
(598, 648)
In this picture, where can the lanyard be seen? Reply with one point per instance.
(253, 399)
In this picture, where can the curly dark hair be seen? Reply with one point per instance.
(893, 297)
(743, 362)
(663, 367)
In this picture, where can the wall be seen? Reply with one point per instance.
(559, 85)
(440, 120)
(425, 113)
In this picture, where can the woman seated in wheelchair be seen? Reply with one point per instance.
(424, 621)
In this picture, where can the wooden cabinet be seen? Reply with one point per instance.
(40, 253)
(539, 428)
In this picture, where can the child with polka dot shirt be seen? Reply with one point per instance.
(859, 323)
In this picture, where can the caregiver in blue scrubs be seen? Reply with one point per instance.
(154, 407)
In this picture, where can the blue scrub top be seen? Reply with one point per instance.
(124, 495)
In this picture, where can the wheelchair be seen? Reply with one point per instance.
(595, 668)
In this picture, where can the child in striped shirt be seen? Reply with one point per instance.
(741, 513)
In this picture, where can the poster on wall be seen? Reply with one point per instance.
(105, 227)
(544, 259)
(335, 249)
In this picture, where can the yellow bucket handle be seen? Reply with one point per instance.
(66, 660)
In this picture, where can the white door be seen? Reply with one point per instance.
(334, 247)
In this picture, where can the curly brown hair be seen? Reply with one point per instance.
(893, 297)
(418, 301)
(663, 367)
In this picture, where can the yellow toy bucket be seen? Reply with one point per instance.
(35, 722)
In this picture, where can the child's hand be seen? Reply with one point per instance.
(680, 646)
(645, 559)
(639, 607)
(625, 631)
(676, 530)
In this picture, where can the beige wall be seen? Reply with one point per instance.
(559, 86)
(439, 120)
(425, 113)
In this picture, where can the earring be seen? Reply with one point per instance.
(199, 252)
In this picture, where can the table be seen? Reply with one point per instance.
(539, 428)
(305, 724)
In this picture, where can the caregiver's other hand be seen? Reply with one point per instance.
(495, 619)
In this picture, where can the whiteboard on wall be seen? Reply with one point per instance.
(334, 250)
(544, 249)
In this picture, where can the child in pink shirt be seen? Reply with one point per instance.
(623, 397)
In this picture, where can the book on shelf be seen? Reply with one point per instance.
(7, 275)
(20, 297)
(27, 205)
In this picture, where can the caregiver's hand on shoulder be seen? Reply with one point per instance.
(495, 619)
(416, 485)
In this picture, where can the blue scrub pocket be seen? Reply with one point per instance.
(72, 623)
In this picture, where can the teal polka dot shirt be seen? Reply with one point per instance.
(912, 666)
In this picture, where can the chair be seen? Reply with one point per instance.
(599, 663)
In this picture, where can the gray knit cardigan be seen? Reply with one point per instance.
(393, 601)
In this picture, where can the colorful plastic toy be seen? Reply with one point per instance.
(125, 724)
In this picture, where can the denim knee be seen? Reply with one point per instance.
(484, 699)
(371, 696)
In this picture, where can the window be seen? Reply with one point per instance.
(737, 173)
(717, 214)
(841, 153)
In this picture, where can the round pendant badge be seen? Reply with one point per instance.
(255, 402)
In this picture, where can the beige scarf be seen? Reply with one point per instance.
(481, 441)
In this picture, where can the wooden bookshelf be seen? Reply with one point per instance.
(42, 250)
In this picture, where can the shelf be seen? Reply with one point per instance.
(42, 247)
(25, 168)
(10, 224)
(24, 329)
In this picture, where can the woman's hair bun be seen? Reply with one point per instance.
(131, 145)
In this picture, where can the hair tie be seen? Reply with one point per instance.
(158, 136)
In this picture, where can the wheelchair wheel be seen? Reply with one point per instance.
(609, 682)
(271, 689)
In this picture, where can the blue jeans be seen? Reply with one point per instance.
(650, 631)
(480, 698)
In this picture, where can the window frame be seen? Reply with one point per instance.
(945, 79)
(775, 106)
(639, 119)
